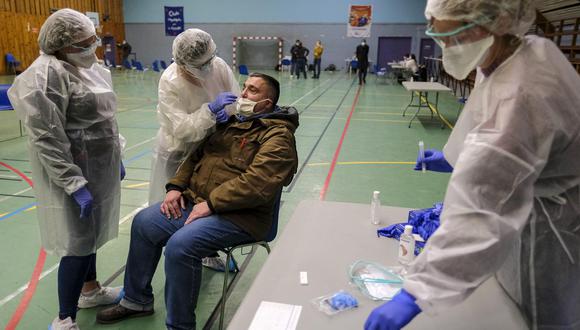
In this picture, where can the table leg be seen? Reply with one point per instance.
(410, 102)
(418, 109)
(437, 107)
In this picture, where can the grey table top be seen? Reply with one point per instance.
(425, 86)
(324, 239)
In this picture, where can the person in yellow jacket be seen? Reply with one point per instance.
(318, 50)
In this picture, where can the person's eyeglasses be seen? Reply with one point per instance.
(450, 38)
(97, 41)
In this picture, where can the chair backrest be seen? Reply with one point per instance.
(155, 66)
(139, 66)
(243, 69)
(10, 58)
(133, 62)
(274, 229)
(4, 100)
(354, 64)
(286, 62)
(163, 64)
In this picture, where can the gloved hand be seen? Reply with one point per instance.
(123, 172)
(221, 101)
(434, 161)
(84, 199)
(222, 116)
(394, 314)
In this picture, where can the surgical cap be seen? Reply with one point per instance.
(64, 28)
(193, 47)
(498, 16)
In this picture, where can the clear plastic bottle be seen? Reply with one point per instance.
(407, 246)
(375, 208)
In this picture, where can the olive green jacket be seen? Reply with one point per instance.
(241, 168)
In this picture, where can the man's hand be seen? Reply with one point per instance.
(199, 211)
(173, 204)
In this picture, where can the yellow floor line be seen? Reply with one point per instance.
(435, 111)
(30, 208)
(362, 163)
(137, 185)
(3, 214)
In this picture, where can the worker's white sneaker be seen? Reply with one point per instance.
(66, 324)
(101, 296)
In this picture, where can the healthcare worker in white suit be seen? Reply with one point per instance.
(67, 104)
(512, 206)
(193, 94)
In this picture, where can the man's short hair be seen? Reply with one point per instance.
(273, 86)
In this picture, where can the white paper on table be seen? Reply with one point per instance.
(276, 316)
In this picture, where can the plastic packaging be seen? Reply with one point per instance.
(375, 281)
(335, 303)
(407, 246)
(422, 155)
(375, 208)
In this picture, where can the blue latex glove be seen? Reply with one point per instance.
(84, 199)
(394, 314)
(221, 101)
(123, 172)
(222, 116)
(435, 161)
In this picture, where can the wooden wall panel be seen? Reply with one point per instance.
(20, 22)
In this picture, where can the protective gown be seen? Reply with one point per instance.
(185, 119)
(512, 206)
(69, 116)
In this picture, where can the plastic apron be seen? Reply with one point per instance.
(73, 140)
(540, 271)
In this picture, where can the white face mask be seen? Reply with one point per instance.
(460, 60)
(245, 107)
(84, 59)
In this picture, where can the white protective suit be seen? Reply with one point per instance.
(69, 115)
(185, 119)
(513, 202)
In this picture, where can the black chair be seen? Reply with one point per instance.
(229, 255)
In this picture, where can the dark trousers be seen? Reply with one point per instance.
(317, 63)
(362, 73)
(72, 273)
(300, 67)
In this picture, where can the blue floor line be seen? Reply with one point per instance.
(22, 209)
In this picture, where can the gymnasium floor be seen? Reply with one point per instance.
(358, 130)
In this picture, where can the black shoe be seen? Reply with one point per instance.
(118, 313)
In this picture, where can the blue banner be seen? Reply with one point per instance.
(173, 21)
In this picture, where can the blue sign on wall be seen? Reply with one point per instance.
(173, 20)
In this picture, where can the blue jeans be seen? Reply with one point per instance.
(317, 64)
(185, 246)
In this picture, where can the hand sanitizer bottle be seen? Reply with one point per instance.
(375, 208)
(407, 246)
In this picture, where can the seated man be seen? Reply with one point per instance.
(222, 195)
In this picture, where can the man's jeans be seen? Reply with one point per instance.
(185, 246)
(317, 64)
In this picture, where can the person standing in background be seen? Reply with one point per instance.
(362, 56)
(125, 50)
(293, 53)
(318, 50)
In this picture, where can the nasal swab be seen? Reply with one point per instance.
(422, 155)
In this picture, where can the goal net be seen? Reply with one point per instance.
(257, 52)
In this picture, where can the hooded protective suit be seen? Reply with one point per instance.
(513, 201)
(69, 116)
(185, 119)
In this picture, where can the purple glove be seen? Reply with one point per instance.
(222, 116)
(434, 161)
(84, 199)
(394, 314)
(123, 173)
(221, 101)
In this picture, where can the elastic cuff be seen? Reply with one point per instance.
(170, 186)
(210, 206)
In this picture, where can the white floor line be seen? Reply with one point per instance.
(140, 144)
(17, 193)
(303, 96)
(21, 289)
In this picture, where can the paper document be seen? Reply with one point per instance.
(276, 316)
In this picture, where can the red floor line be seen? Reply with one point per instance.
(34, 278)
(338, 148)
